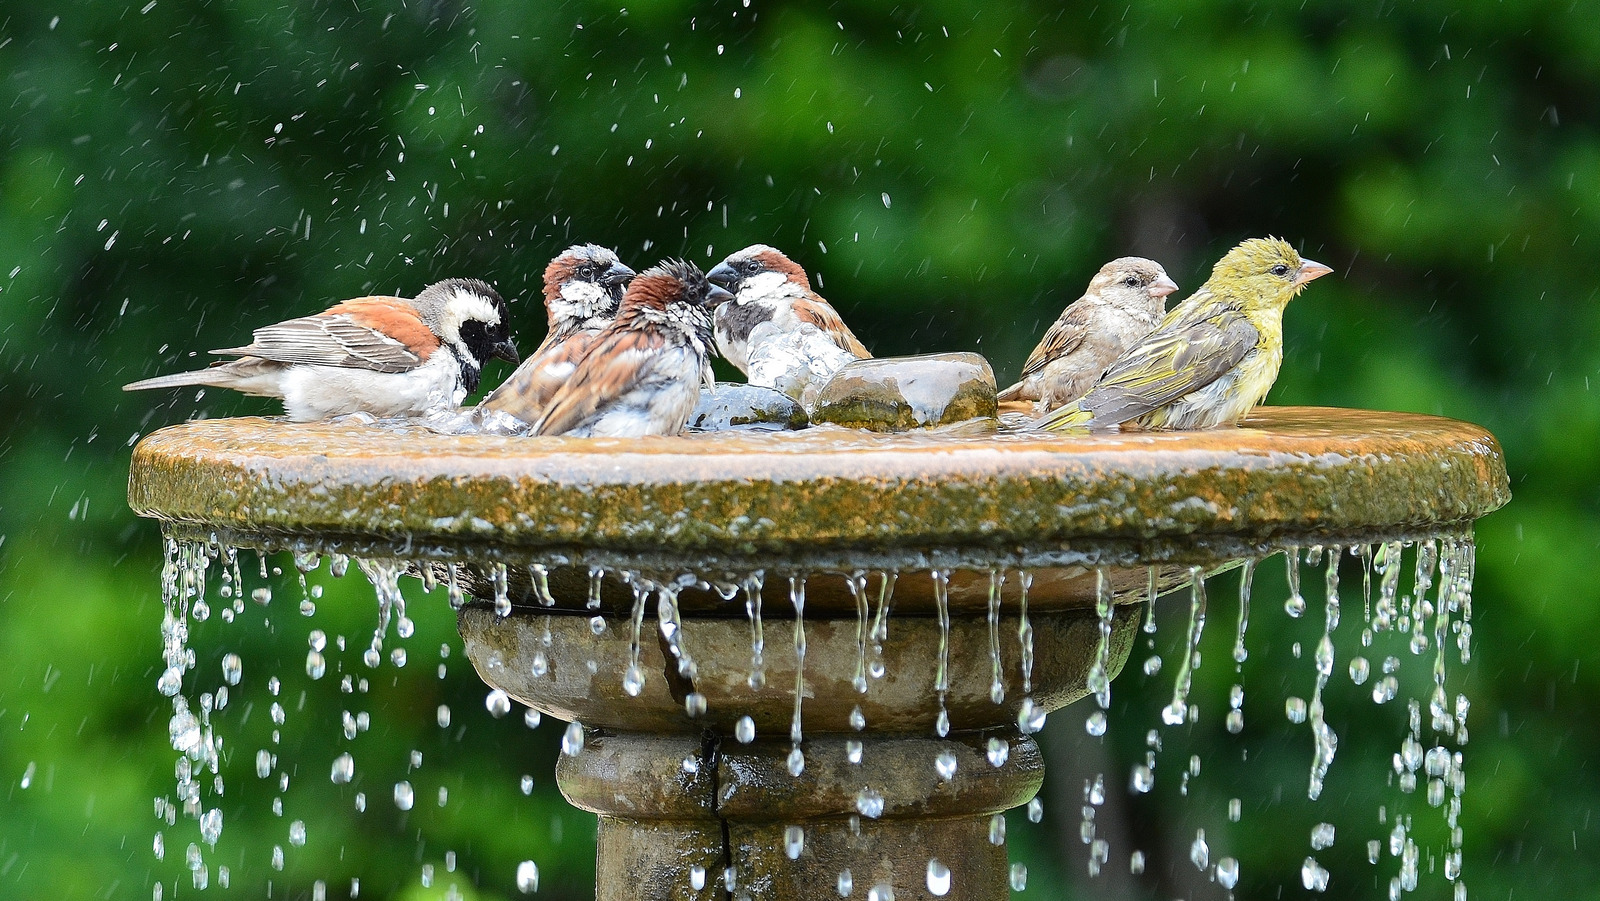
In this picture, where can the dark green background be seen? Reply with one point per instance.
(173, 174)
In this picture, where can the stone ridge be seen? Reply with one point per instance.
(1338, 474)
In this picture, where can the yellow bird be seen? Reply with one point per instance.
(1213, 357)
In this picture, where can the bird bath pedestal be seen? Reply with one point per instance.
(907, 726)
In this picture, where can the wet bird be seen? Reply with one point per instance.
(1213, 357)
(641, 375)
(583, 287)
(778, 331)
(1122, 305)
(381, 355)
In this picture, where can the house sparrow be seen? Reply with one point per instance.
(1123, 303)
(769, 287)
(582, 288)
(1214, 356)
(385, 356)
(641, 375)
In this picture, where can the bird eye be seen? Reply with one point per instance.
(1131, 281)
(751, 266)
(1280, 270)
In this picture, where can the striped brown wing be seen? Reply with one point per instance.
(1175, 360)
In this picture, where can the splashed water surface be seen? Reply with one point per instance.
(218, 744)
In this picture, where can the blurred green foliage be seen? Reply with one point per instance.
(175, 173)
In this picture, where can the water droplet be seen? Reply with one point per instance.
(211, 826)
(794, 841)
(1199, 851)
(1228, 873)
(845, 884)
(1152, 665)
(1235, 721)
(998, 751)
(1235, 809)
(527, 877)
(1136, 863)
(532, 718)
(1030, 718)
(938, 873)
(1295, 710)
(344, 769)
(869, 803)
(1359, 670)
(316, 666)
(945, 765)
(1035, 810)
(697, 877)
(443, 715)
(403, 797)
(695, 704)
(633, 680)
(881, 892)
(498, 703)
(1322, 836)
(1313, 876)
(1095, 723)
(1019, 877)
(232, 668)
(852, 751)
(297, 833)
(572, 739)
(745, 730)
(797, 761)
(858, 720)
(1143, 779)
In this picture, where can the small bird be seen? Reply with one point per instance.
(1214, 356)
(385, 356)
(1123, 303)
(641, 375)
(583, 286)
(769, 287)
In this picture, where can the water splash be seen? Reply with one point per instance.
(797, 599)
(1178, 711)
(1325, 741)
(997, 685)
(941, 676)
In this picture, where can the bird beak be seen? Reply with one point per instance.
(1310, 269)
(723, 276)
(618, 274)
(507, 351)
(716, 297)
(1163, 286)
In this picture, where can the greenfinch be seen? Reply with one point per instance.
(1123, 303)
(1213, 357)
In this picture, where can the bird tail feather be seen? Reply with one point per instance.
(1012, 393)
(206, 377)
(1071, 416)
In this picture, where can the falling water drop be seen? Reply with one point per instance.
(697, 877)
(938, 877)
(997, 686)
(998, 751)
(1228, 873)
(572, 739)
(1019, 877)
(845, 884)
(403, 795)
(1178, 711)
(997, 829)
(745, 730)
(498, 703)
(945, 765)
(794, 842)
(344, 769)
(797, 598)
(527, 877)
(941, 676)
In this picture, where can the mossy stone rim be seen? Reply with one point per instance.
(825, 496)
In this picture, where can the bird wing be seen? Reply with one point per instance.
(620, 362)
(529, 390)
(1174, 361)
(1065, 336)
(382, 334)
(821, 314)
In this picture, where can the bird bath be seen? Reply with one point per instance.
(813, 662)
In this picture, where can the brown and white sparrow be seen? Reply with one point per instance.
(640, 375)
(381, 355)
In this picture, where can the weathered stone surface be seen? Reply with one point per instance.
(730, 405)
(823, 498)
(583, 672)
(895, 394)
